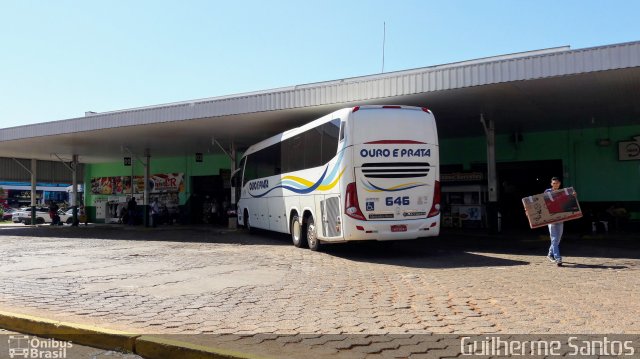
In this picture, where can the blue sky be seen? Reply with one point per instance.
(60, 58)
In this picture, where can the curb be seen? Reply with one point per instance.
(78, 333)
(151, 347)
(147, 346)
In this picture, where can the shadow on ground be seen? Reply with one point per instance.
(190, 234)
(416, 255)
(407, 253)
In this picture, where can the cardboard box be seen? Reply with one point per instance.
(552, 207)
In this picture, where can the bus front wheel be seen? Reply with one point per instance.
(297, 235)
(312, 237)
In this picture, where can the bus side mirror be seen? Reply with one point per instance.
(235, 178)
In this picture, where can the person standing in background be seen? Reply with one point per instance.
(155, 212)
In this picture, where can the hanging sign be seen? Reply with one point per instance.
(629, 150)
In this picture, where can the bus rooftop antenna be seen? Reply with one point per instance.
(384, 35)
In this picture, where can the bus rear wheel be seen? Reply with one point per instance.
(297, 235)
(312, 237)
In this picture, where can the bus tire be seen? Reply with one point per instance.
(312, 235)
(39, 220)
(297, 235)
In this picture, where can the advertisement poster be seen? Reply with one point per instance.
(167, 182)
(470, 213)
(121, 185)
(102, 185)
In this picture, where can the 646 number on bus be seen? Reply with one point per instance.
(400, 201)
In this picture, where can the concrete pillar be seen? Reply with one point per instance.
(232, 199)
(147, 165)
(74, 193)
(233, 169)
(492, 176)
(133, 166)
(34, 164)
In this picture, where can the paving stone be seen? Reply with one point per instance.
(201, 281)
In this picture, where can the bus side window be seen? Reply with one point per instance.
(313, 148)
(330, 140)
(342, 128)
(293, 154)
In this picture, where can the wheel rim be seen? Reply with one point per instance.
(295, 231)
(311, 235)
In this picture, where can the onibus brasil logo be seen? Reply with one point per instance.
(23, 346)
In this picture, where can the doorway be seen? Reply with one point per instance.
(521, 179)
(207, 192)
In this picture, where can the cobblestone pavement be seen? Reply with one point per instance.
(233, 286)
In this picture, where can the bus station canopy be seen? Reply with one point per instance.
(541, 90)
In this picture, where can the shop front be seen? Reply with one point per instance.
(464, 198)
(113, 195)
(185, 189)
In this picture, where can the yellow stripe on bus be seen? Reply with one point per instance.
(332, 184)
(394, 187)
(299, 180)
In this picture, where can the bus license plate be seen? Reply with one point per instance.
(399, 228)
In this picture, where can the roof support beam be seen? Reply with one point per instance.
(230, 155)
(21, 165)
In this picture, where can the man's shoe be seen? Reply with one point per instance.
(551, 258)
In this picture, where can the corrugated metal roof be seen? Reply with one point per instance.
(517, 67)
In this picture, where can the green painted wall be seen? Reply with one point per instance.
(211, 165)
(593, 170)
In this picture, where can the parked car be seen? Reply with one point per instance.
(42, 216)
(8, 213)
(67, 216)
(23, 215)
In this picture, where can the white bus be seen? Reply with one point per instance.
(361, 173)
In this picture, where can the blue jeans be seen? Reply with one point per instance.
(555, 231)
